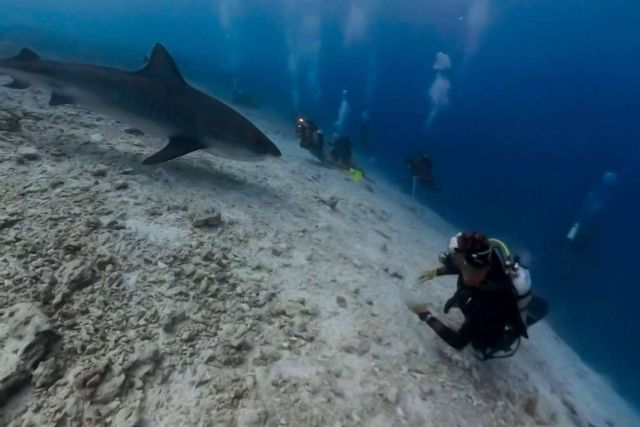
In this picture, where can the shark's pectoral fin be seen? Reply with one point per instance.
(178, 145)
(17, 84)
(58, 99)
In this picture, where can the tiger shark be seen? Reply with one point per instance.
(155, 99)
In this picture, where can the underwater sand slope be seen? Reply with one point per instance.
(212, 293)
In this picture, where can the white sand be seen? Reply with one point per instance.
(245, 317)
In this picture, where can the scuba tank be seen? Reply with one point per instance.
(532, 307)
(520, 275)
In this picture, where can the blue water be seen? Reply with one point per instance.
(543, 98)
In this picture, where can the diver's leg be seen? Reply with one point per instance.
(457, 340)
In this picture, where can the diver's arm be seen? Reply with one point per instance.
(455, 339)
(447, 268)
(432, 273)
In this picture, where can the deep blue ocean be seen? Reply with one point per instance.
(536, 101)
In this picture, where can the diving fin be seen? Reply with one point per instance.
(58, 99)
(178, 145)
(537, 309)
(17, 84)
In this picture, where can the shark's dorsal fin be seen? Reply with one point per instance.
(26, 54)
(161, 65)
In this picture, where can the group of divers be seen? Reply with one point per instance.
(338, 152)
(493, 290)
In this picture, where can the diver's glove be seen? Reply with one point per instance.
(425, 316)
(428, 275)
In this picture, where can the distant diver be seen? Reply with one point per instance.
(420, 167)
(156, 100)
(584, 227)
(311, 137)
(493, 293)
(341, 152)
(337, 152)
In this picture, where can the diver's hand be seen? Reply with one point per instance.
(417, 307)
(428, 274)
(425, 315)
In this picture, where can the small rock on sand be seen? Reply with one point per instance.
(134, 132)
(96, 138)
(28, 153)
(211, 221)
(100, 171)
(341, 301)
(121, 185)
(333, 202)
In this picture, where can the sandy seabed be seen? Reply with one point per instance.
(206, 292)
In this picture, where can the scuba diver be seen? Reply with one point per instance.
(585, 225)
(341, 151)
(493, 292)
(311, 137)
(420, 168)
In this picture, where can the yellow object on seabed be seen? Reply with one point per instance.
(356, 174)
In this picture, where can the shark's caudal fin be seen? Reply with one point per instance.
(26, 54)
(161, 66)
(178, 145)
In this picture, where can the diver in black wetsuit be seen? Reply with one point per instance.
(311, 137)
(497, 312)
(583, 229)
(419, 166)
(341, 151)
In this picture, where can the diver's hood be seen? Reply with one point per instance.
(476, 259)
